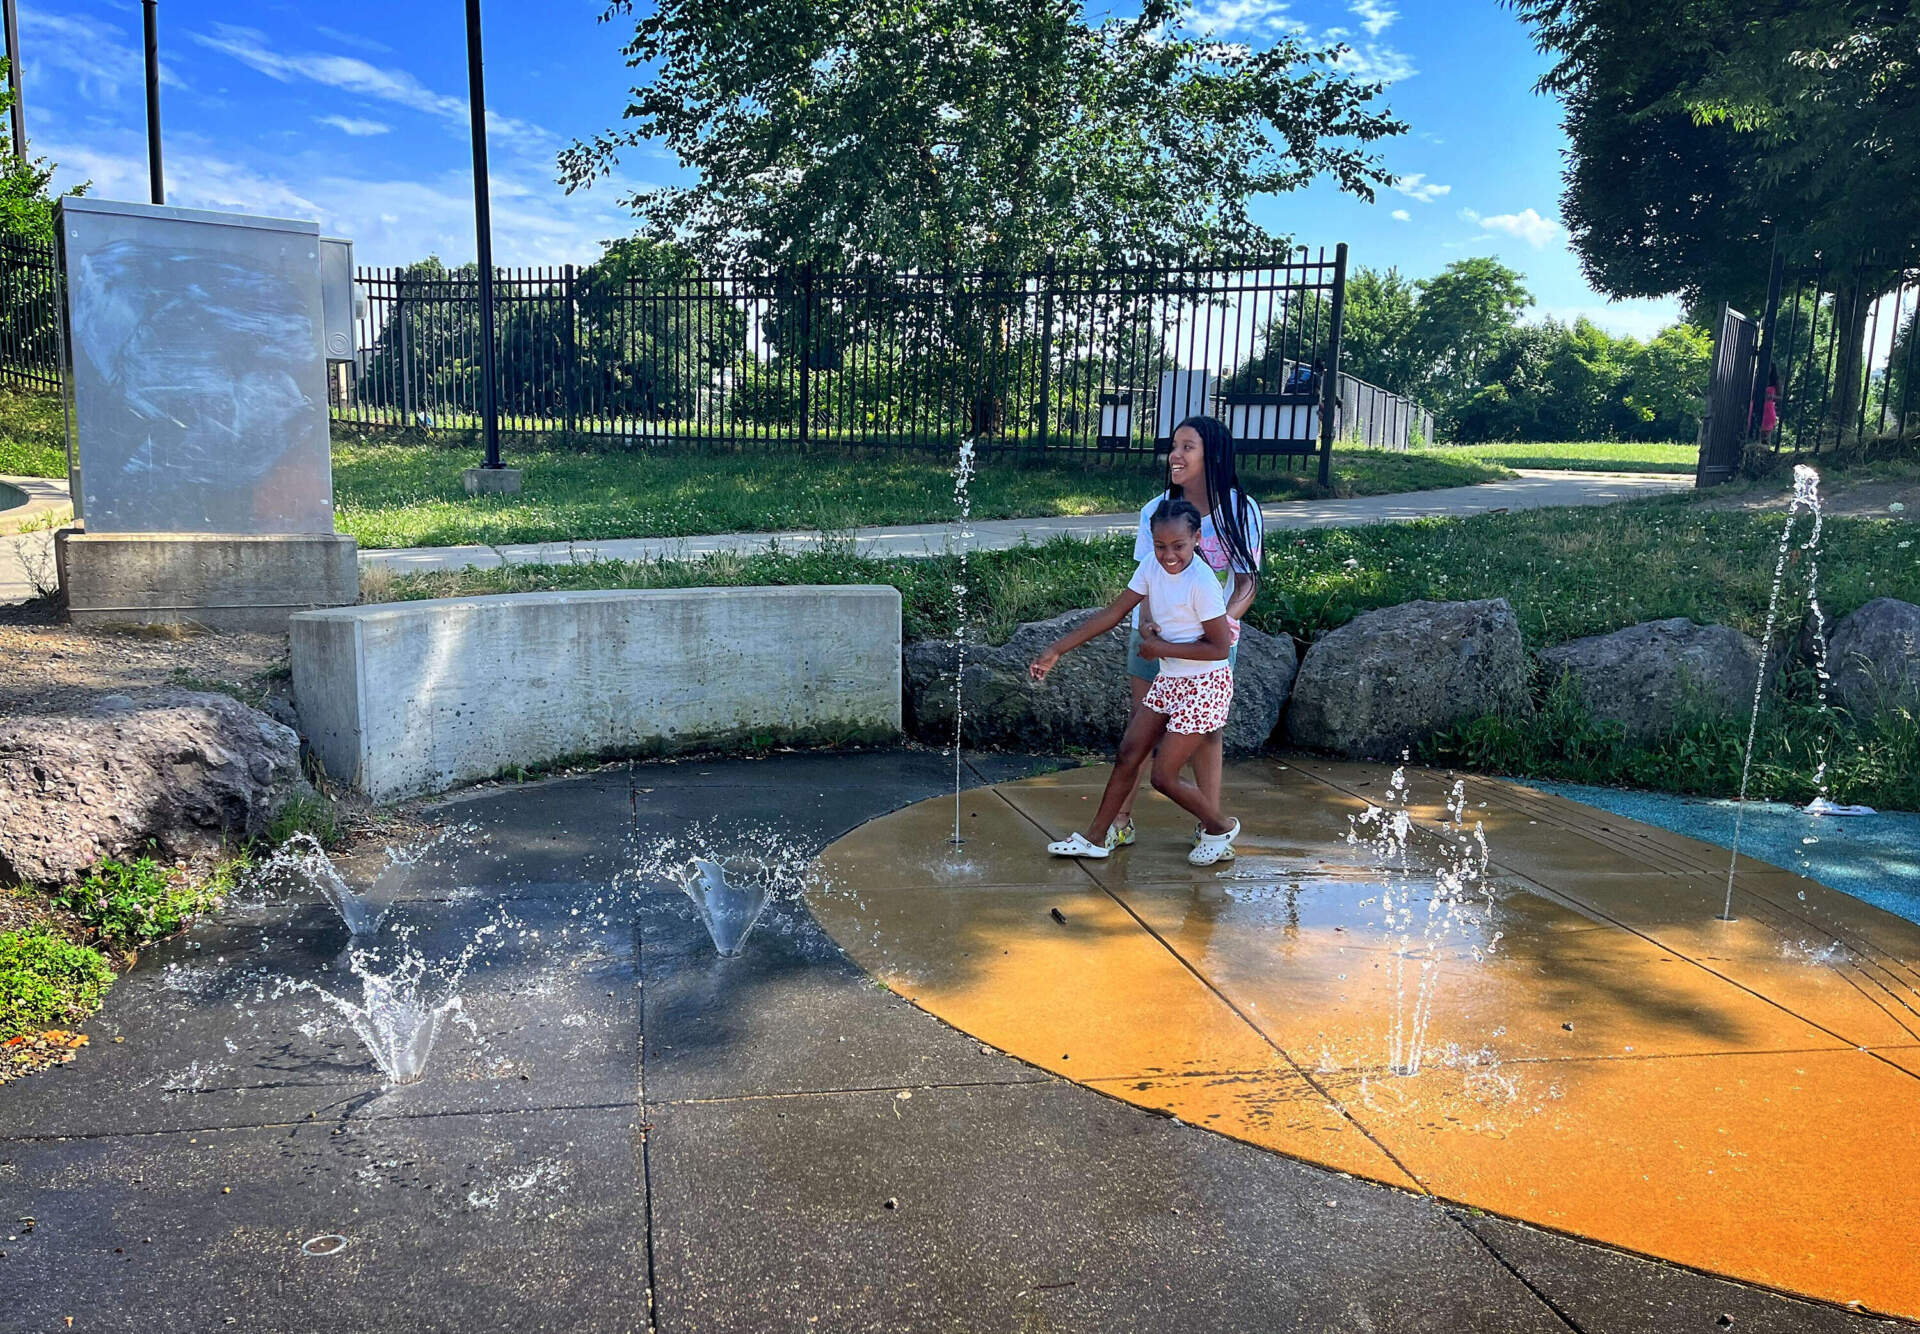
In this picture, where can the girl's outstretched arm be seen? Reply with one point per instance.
(1097, 624)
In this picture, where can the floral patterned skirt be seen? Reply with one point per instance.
(1194, 705)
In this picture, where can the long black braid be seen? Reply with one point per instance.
(1225, 501)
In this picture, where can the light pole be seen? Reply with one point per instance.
(483, 226)
(13, 81)
(156, 178)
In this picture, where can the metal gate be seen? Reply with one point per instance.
(1723, 430)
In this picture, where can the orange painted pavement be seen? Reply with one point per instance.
(1601, 1054)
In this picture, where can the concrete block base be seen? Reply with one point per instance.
(491, 481)
(410, 698)
(220, 580)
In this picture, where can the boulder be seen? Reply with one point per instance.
(1647, 677)
(1390, 678)
(108, 776)
(1873, 656)
(1085, 701)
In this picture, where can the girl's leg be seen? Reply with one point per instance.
(1144, 730)
(1125, 814)
(1209, 763)
(1175, 750)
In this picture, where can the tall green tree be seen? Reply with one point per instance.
(1458, 320)
(1701, 130)
(974, 134)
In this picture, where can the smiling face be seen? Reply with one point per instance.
(1174, 543)
(1187, 464)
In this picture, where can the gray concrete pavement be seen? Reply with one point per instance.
(631, 1134)
(1531, 490)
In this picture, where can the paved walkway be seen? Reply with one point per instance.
(1531, 490)
(630, 1134)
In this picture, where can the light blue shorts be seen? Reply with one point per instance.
(1146, 669)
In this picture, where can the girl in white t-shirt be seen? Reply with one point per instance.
(1187, 634)
(1201, 470)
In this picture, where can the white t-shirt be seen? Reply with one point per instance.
(1180, 604)
(1212, 549)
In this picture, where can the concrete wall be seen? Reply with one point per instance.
(405, 699)
(224, 581)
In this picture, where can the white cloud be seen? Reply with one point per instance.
(1526, 225)
(1375, 17)
(1401, 215)
(358, 41)
(390, 221)
(351, 125)
(1254, 20)
(75, 50)
(364, 79)
(1221, 18)
(1372, 61)
(1415, 185)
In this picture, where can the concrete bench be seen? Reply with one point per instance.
(405, 699)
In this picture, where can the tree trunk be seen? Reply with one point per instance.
(1851, 305)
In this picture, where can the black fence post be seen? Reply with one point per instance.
(1330, 380)
(569, 350)
(806, 350)
(1046, 351)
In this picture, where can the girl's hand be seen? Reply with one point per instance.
(1152, 646)
(1040, 666)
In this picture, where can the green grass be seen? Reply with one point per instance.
(390, 495)
(47, 982)
(1568, 573)
(127, 904)
(33, 435)
(1578, 455)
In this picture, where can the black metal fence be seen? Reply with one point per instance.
(29, 316)
(1834, 352)
(1061, 359)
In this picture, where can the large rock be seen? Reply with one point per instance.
(1647, 677)
(1388, 679)
(1086, 699)
(1873, 656)
(176, 768)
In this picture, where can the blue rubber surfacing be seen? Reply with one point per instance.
(1872, 857)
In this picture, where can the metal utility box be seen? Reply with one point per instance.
(198, 370)
(336, 296)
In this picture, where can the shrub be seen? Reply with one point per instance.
(47, 982)
(131, 903)
(305, 813)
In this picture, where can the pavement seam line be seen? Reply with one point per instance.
(1514, 1269)
(89, 1136)
(1339, 1107)
(640, 1070)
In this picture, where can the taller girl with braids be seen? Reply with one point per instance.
(1200, 471)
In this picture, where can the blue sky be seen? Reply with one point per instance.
(355, 114)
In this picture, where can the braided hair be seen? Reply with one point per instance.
(1225, 500)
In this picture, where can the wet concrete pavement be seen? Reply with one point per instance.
(637, 1135)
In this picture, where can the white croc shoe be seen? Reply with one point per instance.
(1076, 845)
(1214, 847)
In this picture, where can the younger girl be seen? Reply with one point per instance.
(1187, 633)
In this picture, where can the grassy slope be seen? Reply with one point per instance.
(32, 435)
(409, 495)
(1579, 455)
(1568, 573)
